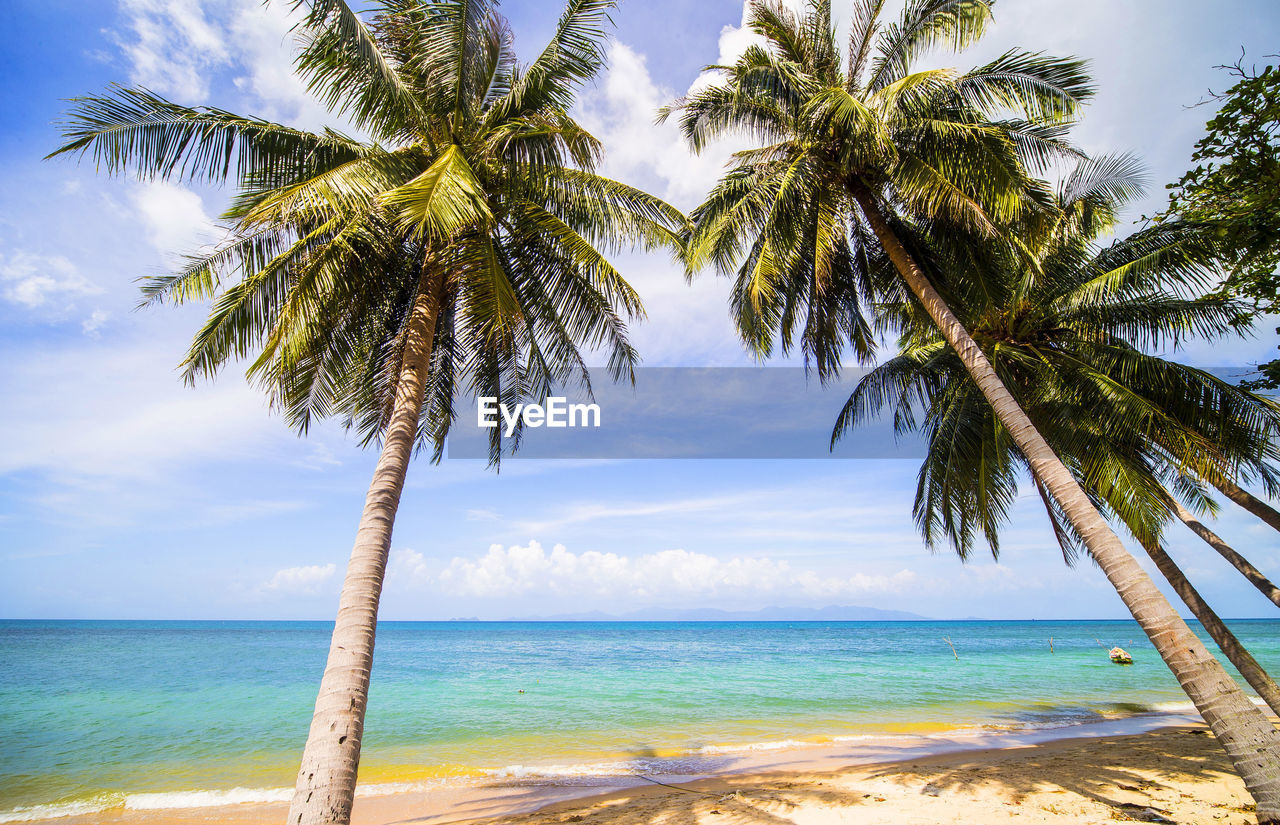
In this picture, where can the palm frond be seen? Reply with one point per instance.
(443, 200)
(923, 25)
(574, 55)
(344, 65)
(137, 130)
(1038, 87)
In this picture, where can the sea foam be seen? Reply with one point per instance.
(57, 810)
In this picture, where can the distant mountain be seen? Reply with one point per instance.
(834, 613)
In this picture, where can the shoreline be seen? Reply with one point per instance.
(538, 791)
(471, 706)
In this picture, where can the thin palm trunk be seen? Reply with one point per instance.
(1222, 636)
(1250, 740)
(326, 784)
(1255, 576)
(1248, 501)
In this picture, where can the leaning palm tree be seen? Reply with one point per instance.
(1249, 501)
(1198, 430)
(1207, 432)
(853, 146)
(1066, 323)
(373, 279)
(1256, 577)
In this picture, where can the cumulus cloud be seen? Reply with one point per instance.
(307, 580)
(32, 280)
(407, 565)
(666, 575)
(173, 215)
(265, 41)
(173, 47)
(735, 40)
(621, 112)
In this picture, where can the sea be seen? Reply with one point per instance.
(100, 715)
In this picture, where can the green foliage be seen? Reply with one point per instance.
(1235, 190)
(1067, 325)
(937, 145)
(478, 179)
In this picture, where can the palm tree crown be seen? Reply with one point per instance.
(950, 147)
(1069, 324)
(474, 173)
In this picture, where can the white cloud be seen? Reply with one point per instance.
(735, 40)
(686, 324)
(173, 215)
(265, 43)
(621, 113)
(306, 580)
(667, 575)
(173, 47)
(91, 325)
(321, 457)
(254, 509)
(592, 511)
(407, 565)
(32, 280)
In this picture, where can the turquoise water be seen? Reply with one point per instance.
(159, 713)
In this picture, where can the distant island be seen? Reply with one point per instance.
(833, 613)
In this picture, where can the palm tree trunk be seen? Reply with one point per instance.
(1250, 740)
(1239, 562)
(1222, 636)
(1248, 501)
(326, 784)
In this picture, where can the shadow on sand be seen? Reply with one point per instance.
(1130, 778)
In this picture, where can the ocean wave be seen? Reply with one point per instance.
(388, 788)
(695, 761)
(175, 800)
(261, 796)
(1187, 707)
(204, 799)
(1173, 707)
(57, 810)
(692, 765)
(879, 737)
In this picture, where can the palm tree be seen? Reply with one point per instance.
(853, 145)
(1255, 576)
(1205, 429)
(459, 246)
(1065, 323)
(1249, 501)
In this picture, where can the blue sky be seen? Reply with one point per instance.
(125, 494)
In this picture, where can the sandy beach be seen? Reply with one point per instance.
(1173, 774)
(1170, 774)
